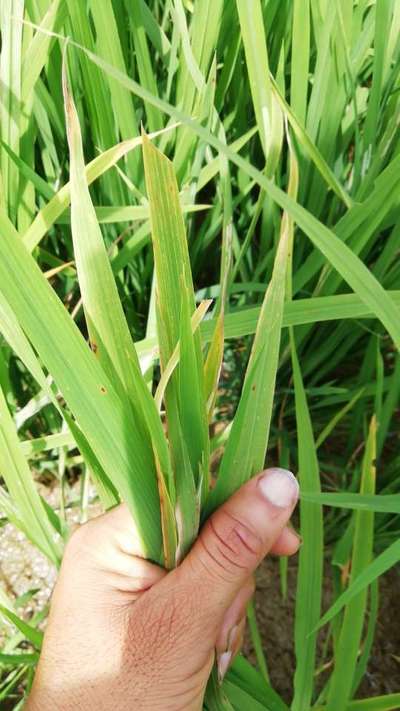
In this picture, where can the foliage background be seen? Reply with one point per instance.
(259, 89)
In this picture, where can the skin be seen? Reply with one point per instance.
(124, 634)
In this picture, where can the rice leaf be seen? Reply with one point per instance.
(101, 415)
(368, 641)
(352, 270)
(309, 579)
(11, 14)
(267, 110)
(17, 476)
(154, 31)
(382, 24)
(246, 449)
(174, 360)
(12, 332)
(382, 503)
(48, 215)
(126, 213)
(341, 681)
(97, 96)
(310, 148)
(389, 702)
(32, 634)
(241, 699)
(13, 660)
(143, 58)
(300, 59)
(41, 186)
(337, 417)
(296, 313)
(108, 331)
(175, 307)
(243, 674)
(383, 562)
(36, 54)
(109, 47)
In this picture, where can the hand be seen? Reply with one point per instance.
(124, 634)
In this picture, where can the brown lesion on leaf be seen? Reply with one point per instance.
(94, 346)
(103, 389)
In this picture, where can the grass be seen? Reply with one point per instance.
(146, 166)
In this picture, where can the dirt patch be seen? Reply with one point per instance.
(275, 618)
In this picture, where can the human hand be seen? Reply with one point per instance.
(125, 634)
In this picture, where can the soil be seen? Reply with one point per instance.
(275, 618)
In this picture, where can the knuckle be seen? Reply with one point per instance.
(82, 539)
(75, 540)
(79, 535)
(232, 548)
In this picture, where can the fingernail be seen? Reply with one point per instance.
(223, 663)
(279, 487)
(224, 658)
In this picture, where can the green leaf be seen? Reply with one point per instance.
(101, 415)
(175, 358)
(14, 660)
(299, 68)
(34, 636)
(383, 503)
(349, 266)
(109, 47)
(337, 417)
(389, 702)
(309, 579)
(382, 25)
(11, 15)
(36, 54)
(241, 699)
(341, 681)
(49, 214)
(191, 397)
(296, 313)
(378, 567)
(243, 675)
(246, 449)
(143, 58)
(108, 330)
(311, 149)
(267, 110)
(126, 213)
(175, 306)
(18, 478)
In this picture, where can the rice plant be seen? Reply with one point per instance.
(181, 181)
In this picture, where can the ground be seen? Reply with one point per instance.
(275, 619)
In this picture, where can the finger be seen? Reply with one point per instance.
(131, 574)
(287, 543)
(225, 658)
(111, 545)
(236, 538)
(119, 526)
(234, 614)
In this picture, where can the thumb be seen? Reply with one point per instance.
(237, 537)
